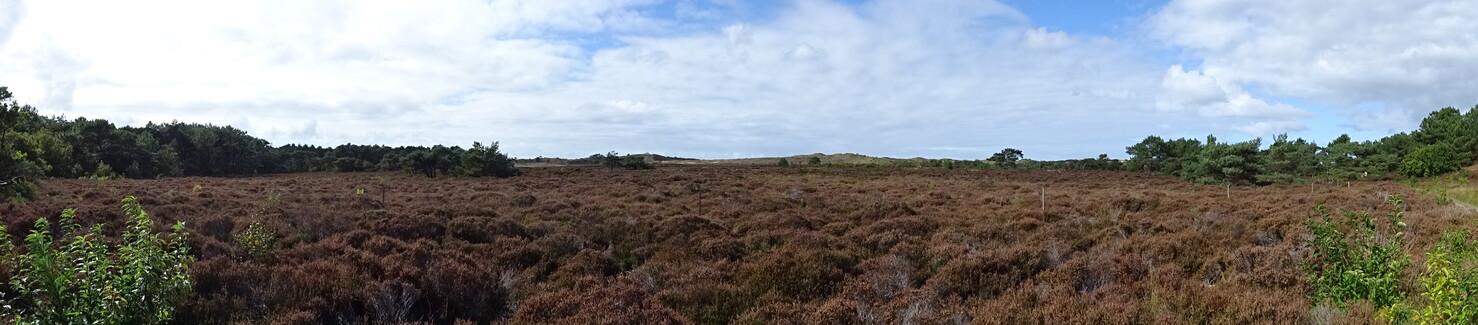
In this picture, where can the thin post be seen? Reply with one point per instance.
(1044, 201)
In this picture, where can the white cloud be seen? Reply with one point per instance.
(10, 15)
(1266, 128)
(1410, 56)
(888, 77)
(1040, 38)
(1193, 90)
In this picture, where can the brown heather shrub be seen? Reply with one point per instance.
(586, 263)
(485, 229)
(706, 303)
(796, 272)
(775, 313)
(410, 227)
(986, 274)
(602, 302)
(461, 290)
(837, 311)
(766, 245)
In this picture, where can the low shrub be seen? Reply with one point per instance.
(1450, 282)
(618, 302)
(87, 279)
(258, 242)
(1355, 257)
(800, 274)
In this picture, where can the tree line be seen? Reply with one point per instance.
(33, 146)
(1446, 140)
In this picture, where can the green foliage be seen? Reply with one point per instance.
(17, 174)
(1430, 160)
(79, 277)
(1289, 161)
(1449, 126)
(349, 165)
(816, 161)
(1355, 257)
(1162, 157)
(610, 160)
(1341, 159)
(103, 172)
(438, 160)
(487, 161)
(1450, 282)
(784, 163)
(1224, 163)
(615, 160)
(1006, 158)
(635, 162)
(258, 241)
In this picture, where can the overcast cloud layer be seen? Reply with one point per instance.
(723, 78)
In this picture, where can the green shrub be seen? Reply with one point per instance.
(813, 161)
(1450, 282)
(487, 161)
(1430, 160)
(87, 279)
(258, 242)
(635, 162)
(1355, 258)
(17, 173)
(784, 163)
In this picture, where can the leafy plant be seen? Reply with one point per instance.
(1430, 160)
(258, 241)
(1354, 257)
(784, 163)
(1450, 282)
(87, 279)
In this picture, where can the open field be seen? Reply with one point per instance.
(749, 245)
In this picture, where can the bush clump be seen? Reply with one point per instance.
(1354, 257)
(88, 279)
(1451, 281)
(1430, 160)
(487, 161)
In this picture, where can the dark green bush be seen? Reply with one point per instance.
(487, 161)
(635, 162)
(1430, 160)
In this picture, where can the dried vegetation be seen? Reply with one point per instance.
(743, 245)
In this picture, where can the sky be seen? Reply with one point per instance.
(730, 78)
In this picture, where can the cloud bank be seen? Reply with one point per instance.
(938, 78)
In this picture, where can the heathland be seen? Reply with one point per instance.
(746, 245)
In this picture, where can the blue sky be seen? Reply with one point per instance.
(729, 78)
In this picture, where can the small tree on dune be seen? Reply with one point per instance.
(1006, 158)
